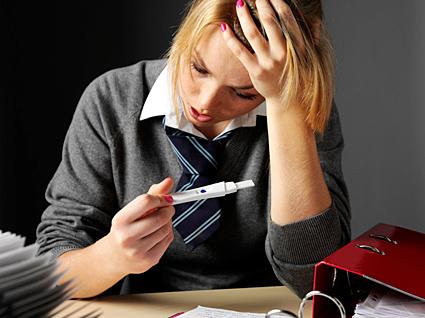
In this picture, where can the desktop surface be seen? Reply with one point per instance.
(152, 305)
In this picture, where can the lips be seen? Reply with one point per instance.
(198, 116)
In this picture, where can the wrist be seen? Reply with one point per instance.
(289, 119)
(275, 107)
(105, 252)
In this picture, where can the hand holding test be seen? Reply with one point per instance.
(219, 189)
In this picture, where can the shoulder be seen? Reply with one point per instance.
(142, 74)
(128, 82)
(116, 97)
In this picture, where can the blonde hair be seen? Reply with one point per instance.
(308, 77)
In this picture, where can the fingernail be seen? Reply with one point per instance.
(239, 3)
(168, 198)
(223, 27)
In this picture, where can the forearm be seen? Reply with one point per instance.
(92, 269)
(298, 188)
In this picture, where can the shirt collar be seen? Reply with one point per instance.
(159, 103)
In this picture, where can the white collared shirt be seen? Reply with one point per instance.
(159, 103)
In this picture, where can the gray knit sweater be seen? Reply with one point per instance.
(110, 157)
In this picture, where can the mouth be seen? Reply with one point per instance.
(198, 116)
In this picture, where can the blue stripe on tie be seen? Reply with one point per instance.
(203, 151)
(192, 180)
(202, 227)
(187, 185)
(183, 160)
(188, 212)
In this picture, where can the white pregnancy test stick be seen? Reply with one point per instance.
(219, 189)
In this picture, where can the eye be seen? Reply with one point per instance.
(198, 68)
(247, 96)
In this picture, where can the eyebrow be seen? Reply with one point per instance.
(201, 61)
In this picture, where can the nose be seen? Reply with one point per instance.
(208, 97)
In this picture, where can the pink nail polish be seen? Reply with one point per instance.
(168, 198)
(223, 27)
(239, 3)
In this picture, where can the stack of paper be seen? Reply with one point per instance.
(28, 283)
(389, 304)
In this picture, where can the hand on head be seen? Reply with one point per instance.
(267, 64)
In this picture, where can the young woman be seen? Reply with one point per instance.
(256, 77)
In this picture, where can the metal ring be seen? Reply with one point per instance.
(383, 237)
(318, 293)
(280, 313)
(370, 248)
(334, 277)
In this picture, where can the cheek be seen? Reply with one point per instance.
(188, 85)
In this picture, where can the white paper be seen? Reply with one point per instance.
(49, 297)
(18, 255)
(10, 242)
(386, 303)
(28, 282)
(206, 312)
(27, 277)
(24, 265)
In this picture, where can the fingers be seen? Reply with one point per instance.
(147, 252)
(273, 27)
(250, 30)
(150, 241)
(140, 255)
(288, 21)
(153, 222)
(275, 15)
(142, 205)
(248, 60)
(164, 187)
(156, 252)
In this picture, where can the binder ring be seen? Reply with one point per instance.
(383, 237)
(280, 313)
(285, 313)
(370, 248)
(319, 293)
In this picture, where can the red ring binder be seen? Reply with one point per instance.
(351, 272)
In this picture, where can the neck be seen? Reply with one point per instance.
(213, 131)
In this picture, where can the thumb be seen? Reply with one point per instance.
(164, 187)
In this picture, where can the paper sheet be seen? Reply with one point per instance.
(206, 312)
(28, 282)
(389, 304)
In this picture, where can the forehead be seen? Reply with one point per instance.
(218, 58)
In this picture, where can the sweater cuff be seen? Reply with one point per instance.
(59, 250)
(307, 241)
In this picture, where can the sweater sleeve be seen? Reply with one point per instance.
(295, 248)
(81, 195)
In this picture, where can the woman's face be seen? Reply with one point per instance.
(215, 87)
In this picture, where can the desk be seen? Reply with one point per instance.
(156, 305)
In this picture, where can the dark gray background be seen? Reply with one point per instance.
(53, 50)
(380, 52)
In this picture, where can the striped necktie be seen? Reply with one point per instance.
(196, 221)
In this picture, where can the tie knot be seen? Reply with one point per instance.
(197, 155)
